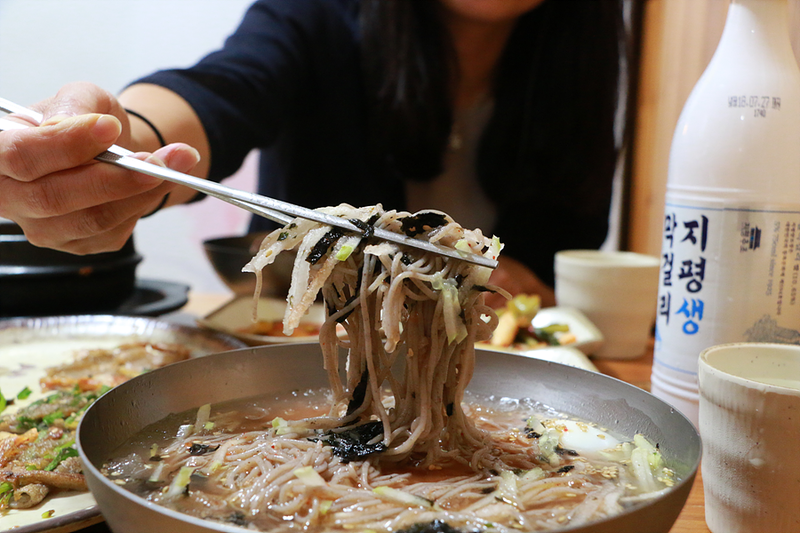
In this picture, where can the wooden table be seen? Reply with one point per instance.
(635, 372)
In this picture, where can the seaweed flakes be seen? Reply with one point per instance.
(564, 451)
(353, 444)
(237, 518)
(201, 449)
(531, 433)
(366, 227)
(323, 245)
(406, 259)
(422, 222)
(436, 526)
(359, 393)
(332, 310)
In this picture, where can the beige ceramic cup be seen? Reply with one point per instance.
(750, 427)
(617, 291)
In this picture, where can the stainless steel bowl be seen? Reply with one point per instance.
(127, 409)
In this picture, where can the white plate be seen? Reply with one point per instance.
(237, 315)
(31, 345)
(588, 337)
(566, 355)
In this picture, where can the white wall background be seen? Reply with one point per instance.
(47, 43)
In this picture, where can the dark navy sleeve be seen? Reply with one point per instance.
(247, 92)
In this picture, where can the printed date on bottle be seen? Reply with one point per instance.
(759, 104)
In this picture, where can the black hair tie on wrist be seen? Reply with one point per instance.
(163, 144)
(158, 208)
(152, 126)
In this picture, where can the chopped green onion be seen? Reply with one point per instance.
(24, 393)
(5, 486)
(62, 452)
(49, 513)
(344, 252)
(3, 402)
(52, 417)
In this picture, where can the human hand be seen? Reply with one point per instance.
(517, 278)
(51, 186)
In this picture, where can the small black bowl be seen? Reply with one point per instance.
(229, 254)
(38, 281)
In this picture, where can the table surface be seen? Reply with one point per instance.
(635, 372)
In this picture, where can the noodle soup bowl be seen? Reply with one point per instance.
(621, 408)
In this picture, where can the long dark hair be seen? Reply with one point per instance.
(562, 46)
(406, 61)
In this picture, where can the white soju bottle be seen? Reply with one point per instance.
(731, 243)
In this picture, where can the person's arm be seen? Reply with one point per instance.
(175, 121)
(51, 186)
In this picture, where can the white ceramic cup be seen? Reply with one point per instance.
(617, 291)
(750, 427)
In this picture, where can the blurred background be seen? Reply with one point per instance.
(47, 43)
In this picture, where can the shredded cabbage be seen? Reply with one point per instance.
(309, 476)
(646, 462)
(179, 482)
(403, 497)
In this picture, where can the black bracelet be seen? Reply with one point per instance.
(158, 208)
(163, 144)
(152, 126)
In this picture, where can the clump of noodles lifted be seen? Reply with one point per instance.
(394, 302)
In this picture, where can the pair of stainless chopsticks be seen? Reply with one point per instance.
(277, 210)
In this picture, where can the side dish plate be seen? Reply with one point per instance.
(588, 337)
(29, 346)
(236, 318)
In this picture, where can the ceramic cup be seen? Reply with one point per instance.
(750, 426)
(617, 291)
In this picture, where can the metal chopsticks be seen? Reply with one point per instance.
(276, 210)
